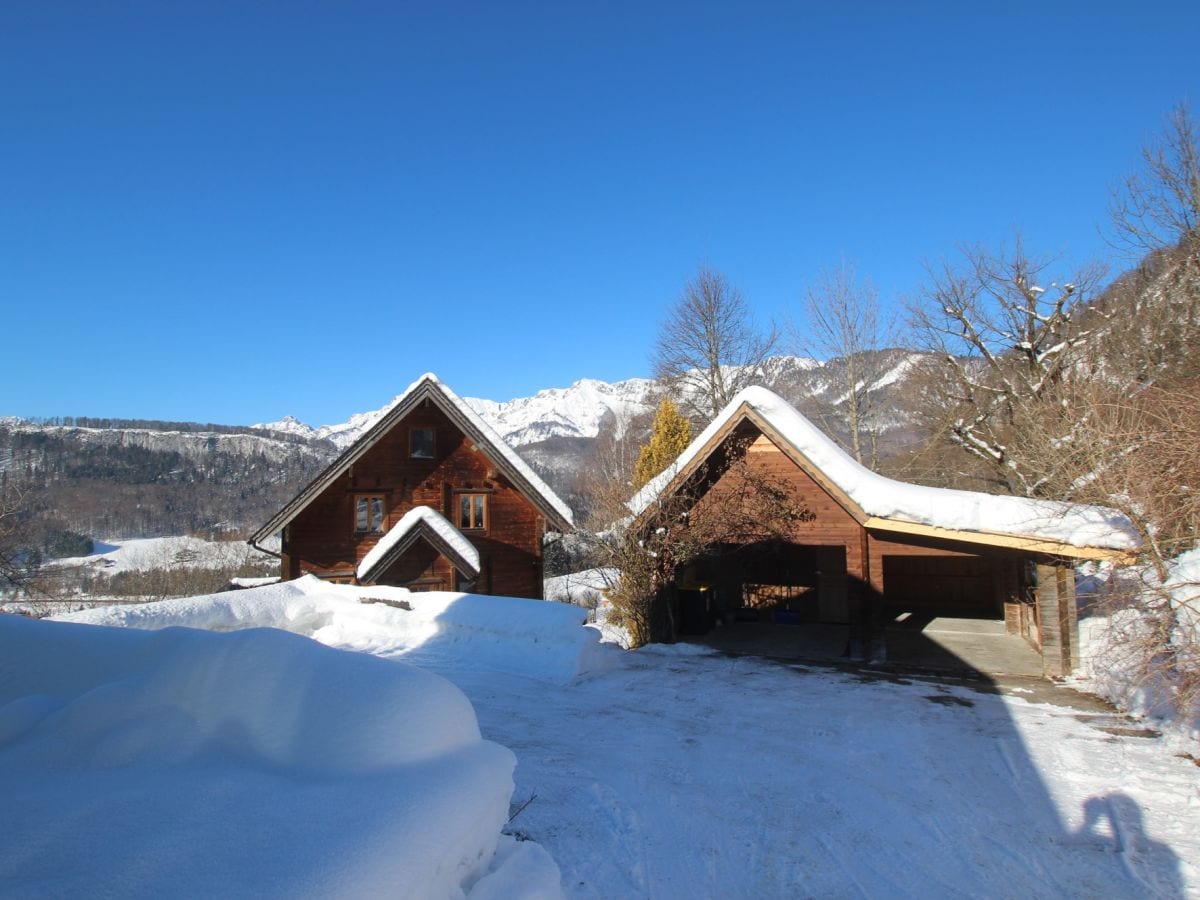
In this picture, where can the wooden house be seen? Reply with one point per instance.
(867, 548)
(430, 498)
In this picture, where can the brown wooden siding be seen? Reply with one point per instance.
(968, 578)
(322, 538)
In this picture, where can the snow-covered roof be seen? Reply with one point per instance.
(882, 501)
(421, 521)
(499, 445)
(428, 387)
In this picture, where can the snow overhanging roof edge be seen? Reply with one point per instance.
(886, 504)
(420, 522)
(428, 386)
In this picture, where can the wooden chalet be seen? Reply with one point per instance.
(869, 548)
(430, 498)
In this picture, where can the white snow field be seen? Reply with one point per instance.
(140, 554)
(257, 764)
(664, 772)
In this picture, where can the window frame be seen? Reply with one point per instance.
(484, 520)
(373, 527)
(412, 434)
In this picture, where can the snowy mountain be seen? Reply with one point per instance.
(585, 408)
(132, 478)
(575, 411)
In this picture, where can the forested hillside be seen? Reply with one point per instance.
(139, 479)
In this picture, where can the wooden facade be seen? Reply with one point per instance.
(836, 564)
(431, 451)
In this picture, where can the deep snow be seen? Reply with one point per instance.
(259, 764)
(670, 772)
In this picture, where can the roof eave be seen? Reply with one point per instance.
(425, 388)
(1024, 543)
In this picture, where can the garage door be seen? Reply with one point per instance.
(942, 583)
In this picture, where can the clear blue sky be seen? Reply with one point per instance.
(231, 212)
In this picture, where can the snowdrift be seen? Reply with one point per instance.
(257, 763)
(506, 634)
(1144, 652)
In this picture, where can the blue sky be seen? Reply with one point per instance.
(232, 212)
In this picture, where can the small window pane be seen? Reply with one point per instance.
(376, 513)
(360, 516)
(420, 444)
(464, 511)
(479, 502)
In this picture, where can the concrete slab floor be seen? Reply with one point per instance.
(966, 646)
(803, 646)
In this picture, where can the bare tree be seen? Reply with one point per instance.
(1159, 207)
(18, 568)
(842, 324)
(1003, 341)
(708, 347)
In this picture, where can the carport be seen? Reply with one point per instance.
(867, 565)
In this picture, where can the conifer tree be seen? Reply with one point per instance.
(670, 437)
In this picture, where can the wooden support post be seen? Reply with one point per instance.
(1059, 619)
(1068, 618)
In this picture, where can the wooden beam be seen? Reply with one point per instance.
(1008, 541)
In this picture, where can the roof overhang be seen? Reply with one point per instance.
(747, 409)
(429, 388)
(1006, 541)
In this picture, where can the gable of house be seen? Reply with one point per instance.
(430, 450)
(870, 547)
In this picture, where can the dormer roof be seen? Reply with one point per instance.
(420, 522)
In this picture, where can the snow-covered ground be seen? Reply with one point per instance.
(254, 764)
(665, 772)
(142, 554)
(586, 588)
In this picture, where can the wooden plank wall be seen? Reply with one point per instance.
(322, 538)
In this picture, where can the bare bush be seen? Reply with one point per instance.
(724, 503)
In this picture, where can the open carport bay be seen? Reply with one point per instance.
(942, 643)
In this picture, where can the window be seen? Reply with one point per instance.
(472, 510)
(368, 514)
(420, 443)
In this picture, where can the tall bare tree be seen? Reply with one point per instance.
(1003, 340)
(709, 347)
(841, 323)
(1155, 215)
(1158, 207)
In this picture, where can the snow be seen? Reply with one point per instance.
(667, 771)
(575, 411)
(257, 763)
(525, 637)
(142, 554)
(583, 587)
(1071, 524)
(436, 521)
(1113, 659)
(498, 444)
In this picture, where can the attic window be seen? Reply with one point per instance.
(421, 443)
